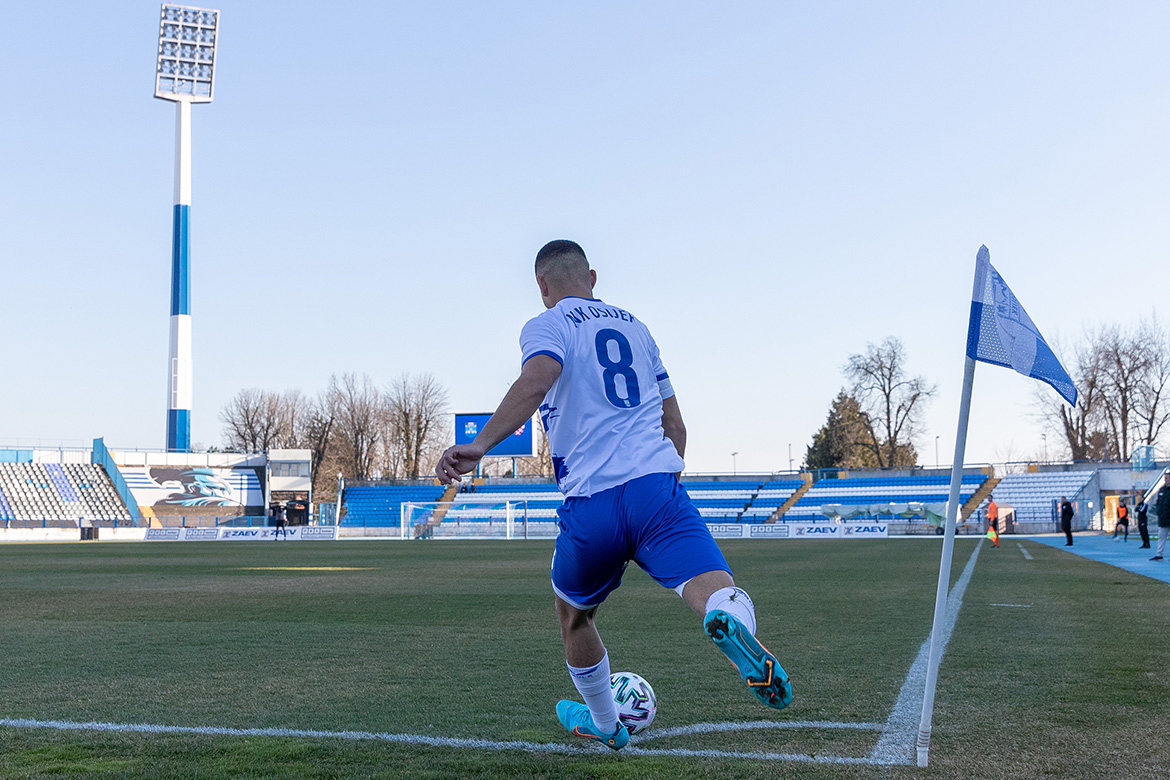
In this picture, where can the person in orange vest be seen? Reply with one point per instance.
(992, 521)
(1122, 520)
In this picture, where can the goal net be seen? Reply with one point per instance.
(477, 519)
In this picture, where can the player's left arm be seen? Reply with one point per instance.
(521, 402)
(672, 424)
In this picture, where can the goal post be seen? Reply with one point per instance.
(473, 518)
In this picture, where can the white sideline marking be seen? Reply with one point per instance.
(899, 737)
(1023, 606)
(1027, 555)
(712, 728)
(419, 739)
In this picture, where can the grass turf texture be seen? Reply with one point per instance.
(458, 639)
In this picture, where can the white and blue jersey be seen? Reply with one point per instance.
(603, 415)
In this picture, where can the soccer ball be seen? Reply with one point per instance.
(636, 702)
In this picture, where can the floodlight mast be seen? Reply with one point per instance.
(185, 74)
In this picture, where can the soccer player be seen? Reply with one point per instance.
(617, 439)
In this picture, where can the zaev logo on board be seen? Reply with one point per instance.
(861, 530)
(818, 530)
(242, 533)
(871, 531)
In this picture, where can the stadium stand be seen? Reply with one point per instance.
(56, 494)
(539, 501)
(926, 489)
(381, 505)
(1034, 496)
(771, 496)
(719, 501)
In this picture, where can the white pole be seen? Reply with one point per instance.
(179, 395)
(944, 569)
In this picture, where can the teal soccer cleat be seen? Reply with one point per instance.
(764, 675)
(577, 721)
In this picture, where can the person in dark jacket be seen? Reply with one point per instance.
(1066, 516)
(1143, 524)
(1162, 508)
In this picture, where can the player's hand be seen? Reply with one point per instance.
(457, 460)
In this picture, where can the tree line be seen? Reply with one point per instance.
(364, 431)
(352, 426)
(1122, 376)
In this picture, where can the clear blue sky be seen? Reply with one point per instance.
(769, 185)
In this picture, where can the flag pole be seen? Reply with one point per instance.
(944, 569)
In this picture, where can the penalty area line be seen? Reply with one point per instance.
(453, 742)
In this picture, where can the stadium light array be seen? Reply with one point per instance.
(185, 74)
(186, 54)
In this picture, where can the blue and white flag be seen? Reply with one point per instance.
(1002, 333)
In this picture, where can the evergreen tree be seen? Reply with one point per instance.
(840, 443)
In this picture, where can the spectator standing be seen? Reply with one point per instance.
(278, 518)
(1066, 517)
(1143, 524)
(992, 520)
(1162, 509)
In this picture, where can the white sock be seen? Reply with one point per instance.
(593, 684)
(737, 603)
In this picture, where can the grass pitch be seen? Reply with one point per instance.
(458, 640)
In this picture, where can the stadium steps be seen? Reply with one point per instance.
(978, 496)
(441, 511)
(800, 491)
(150, 517)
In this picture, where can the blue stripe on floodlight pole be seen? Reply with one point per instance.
(180, 384)
(180, 261)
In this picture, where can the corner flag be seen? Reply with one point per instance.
(1002, 333)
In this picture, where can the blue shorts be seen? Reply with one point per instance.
(649, 520)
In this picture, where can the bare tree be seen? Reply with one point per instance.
(891, 403)
(316, 428)
(259, 420)
(1151, 406)
(358, 408)
(416, 410)
(1122, 378)
(1080, 426)
(251, 420)
(1125, 364)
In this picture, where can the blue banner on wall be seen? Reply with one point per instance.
(519, 444)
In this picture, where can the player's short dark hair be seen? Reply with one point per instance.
(557, 249)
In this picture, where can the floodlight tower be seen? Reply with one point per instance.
(185, 75)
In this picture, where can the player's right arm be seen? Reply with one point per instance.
(521, 402)
(672, 424)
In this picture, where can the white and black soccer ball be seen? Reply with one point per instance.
(636, 703)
